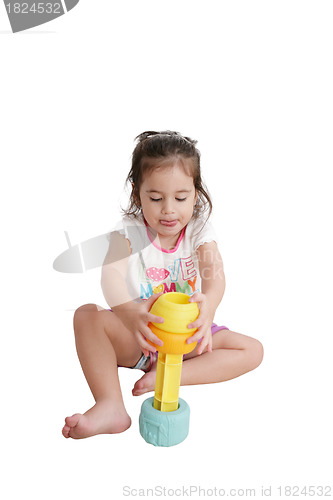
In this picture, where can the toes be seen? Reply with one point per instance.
(142, 385)
(73, 420)
(145, 383)
(65, 431)
(136, 390)
(103, 418)
(138, 386)
(70, 423)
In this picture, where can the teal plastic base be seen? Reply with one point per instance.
(162, 428)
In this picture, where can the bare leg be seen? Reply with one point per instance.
(102, 341)
(233, 355)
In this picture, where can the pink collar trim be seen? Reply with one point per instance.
(181, 236)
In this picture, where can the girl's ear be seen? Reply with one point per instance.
(195, 198)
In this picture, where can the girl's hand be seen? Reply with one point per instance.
(136, 317)
(203, 323)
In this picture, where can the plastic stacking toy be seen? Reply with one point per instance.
(164, 418)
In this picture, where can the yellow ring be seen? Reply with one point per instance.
(177, 312)
(173, 343)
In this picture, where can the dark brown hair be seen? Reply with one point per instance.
(158, 148)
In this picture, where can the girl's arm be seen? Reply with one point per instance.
(212, 291)
(113, 279)
(135, 315)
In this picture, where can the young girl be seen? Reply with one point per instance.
(169, 207)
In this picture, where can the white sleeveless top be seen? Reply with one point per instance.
(152, 269)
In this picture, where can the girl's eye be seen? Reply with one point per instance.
(159, 199)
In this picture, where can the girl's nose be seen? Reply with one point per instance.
(167, 207)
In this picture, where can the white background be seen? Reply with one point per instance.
(252, 81)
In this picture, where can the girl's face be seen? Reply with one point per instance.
(167, 197)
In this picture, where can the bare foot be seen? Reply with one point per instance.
(105, 417)
(145, 383)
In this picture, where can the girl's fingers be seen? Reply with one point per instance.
(146, 331)
(190, 340)
(197, 336)
(206, 342)
(149, 302)
(200, 349)
(196, 297)
(199, 298)
(206, 337)
(196, 324)
(145, 346)
(155, 319)
(202, 346)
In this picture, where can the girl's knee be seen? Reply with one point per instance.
(83, 314)
(256, 353)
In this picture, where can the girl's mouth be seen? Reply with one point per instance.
(168, 223)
